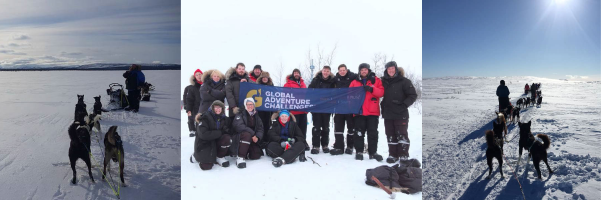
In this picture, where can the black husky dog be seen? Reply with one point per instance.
(80, 110)
(80, 143)
(113, 149)
(537, 150)
(526, 102)
(494, 151)
(540, 100)
(515, 115)
(519, 103)
(97, 106)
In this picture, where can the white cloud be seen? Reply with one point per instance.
(21, 37)
(156, 62)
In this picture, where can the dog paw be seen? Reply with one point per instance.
(73, 181)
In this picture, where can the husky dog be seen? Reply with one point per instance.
(540, 101)
(113, 149)
(80, 110)
(527, 102)
(80, 143)
(494, 150)
(93, 121)
(520, 102)
(536, 149)
(532, 101)
(515, 115)
(98, 106)
(502, 121)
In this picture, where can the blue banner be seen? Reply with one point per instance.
(334, 100)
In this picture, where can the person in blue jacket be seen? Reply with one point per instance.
(134, 80)
(503, 94)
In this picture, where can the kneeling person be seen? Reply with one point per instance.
(286, 140)
(212, 141)
(249, 131)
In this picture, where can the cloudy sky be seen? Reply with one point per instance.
(72, 32)
(545, 38)
(219, 34)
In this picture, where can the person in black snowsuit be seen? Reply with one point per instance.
(287, 141)
(134, 80)
(193, 100)
(343, 79)
(247, 132)
(503, 94)
(321, 121)
(233, 77)
(399, 94)
(213, 139)
(212, 89)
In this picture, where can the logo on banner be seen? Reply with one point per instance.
(256, 95)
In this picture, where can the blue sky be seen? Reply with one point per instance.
(544, 38)
(73, 32)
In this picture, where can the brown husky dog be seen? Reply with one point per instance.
(113, 149)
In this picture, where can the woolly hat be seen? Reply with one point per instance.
(502, 82)
(198, 70)
(363, 65)
(285, 112)
(257, 67)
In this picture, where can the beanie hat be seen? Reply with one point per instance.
(257, 67)
(296, 70)
(363, 65)
(284, 112)
(502, 82)
(198, 70)
(391, 64)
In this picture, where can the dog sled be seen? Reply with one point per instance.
(145, 91)
(117, 96)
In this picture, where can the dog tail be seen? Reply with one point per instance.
(546, 140)
(490, 138)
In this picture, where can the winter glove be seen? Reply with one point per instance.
(368, 88)
(285, 145)
(291, 140)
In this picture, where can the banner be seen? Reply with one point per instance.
(333, 100)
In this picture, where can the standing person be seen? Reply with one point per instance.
(343, 79)
(248, 131)
(193, 100)
(233, 77)
(212, 89)
(367, 121)
(286, 140)
(321, 121)
(255, 73)
(526, 89)
(533, 89)
(213, 139)
(295, 80)
(134, 79)
(265, 116)
(399, 94)
(503, 94)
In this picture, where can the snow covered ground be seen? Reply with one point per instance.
(339, 177)
(38, 107)
(458, 110)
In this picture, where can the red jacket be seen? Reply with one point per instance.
(294, 84)
(371, 104)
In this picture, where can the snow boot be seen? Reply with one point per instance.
(240, 162)
(349, 151)
(376, 156)
(223, 162)
(302, 157)
(277, 162)
(392, 159)
(326, 150)
(315, 150)
(192, 158)
(192, 133)
(359, 156)
(307, 148)
(336, 152)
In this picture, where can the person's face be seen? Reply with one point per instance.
(250, 106)
(391, 71)
(342, 71)
(284, 118)
(197, 76)
(265, 79)
(217, 109)
(325, 72)
(296, 75)
(215, 77)
(257, 72)
(364, 72)
(240, 70)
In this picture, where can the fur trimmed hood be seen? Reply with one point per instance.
(399, 71)
(276, 114)
(265, 75)
(215, 103)
(318, 75)
(231, 71)
(208, 74)
(192, 80)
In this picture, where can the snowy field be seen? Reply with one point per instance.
(459, 109)
(38, 107)
(339, 177)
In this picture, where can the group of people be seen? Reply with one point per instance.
(246, 132)
(503, 93)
